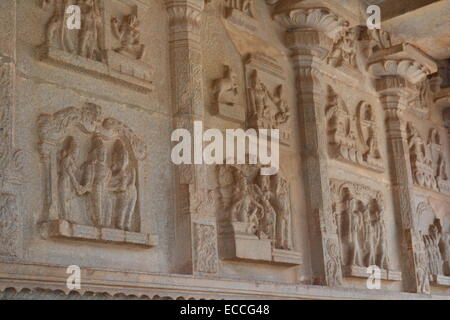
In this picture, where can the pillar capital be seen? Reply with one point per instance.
(185, 18)
(310, 31)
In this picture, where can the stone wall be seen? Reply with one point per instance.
(87, 178)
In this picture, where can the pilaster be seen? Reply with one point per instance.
(196, 240)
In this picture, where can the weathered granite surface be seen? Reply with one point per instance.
(86, 178)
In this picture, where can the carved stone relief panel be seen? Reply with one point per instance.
(91, 165)
(352, 137)
(428, 163)
(255, 216)
(227, 97)
(241, 13)
(267, 106)
(353, 46)
(434, 245)
(423, 100)
(107, 44)
(344, 48)
(359, 214)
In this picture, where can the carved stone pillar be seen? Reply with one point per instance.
(195, 224)
(309, 41)
(10, 158)
(394, 85)
(443, 101)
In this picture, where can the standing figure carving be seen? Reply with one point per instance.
(123, 186)
(268, 227)
(260, 99)
(356, 225)
(245, 208)
(281, 203)
(90, 33)
(417, 146)
(377, 236)
(97, 179)
(432, 247)
(68, 185)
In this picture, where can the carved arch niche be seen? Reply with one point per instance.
(434, 251)
(92, 172)
(352, 137)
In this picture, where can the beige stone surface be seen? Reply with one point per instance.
(87, 179)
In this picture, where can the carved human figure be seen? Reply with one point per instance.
(225, 89)
(130, 36)
(382, 39)
(281, 203)
(97, 179)
(367, 233)
(90, 34)
(68, 185)
(245, 208)
(123, 185)
(378, 241)
(340, 123)
(344, 48)
(356, 225)
(438, 156)
(260, 99)
(283, 113)
(442, 169)
(432, 241)
(372, 145)
(422, 263)
(268, 221)
(416, 145)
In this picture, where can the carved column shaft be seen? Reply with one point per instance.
(326, 256)
(401, 180)
(446, 116)
(188, 106)
(10, 160)
(7, 86)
